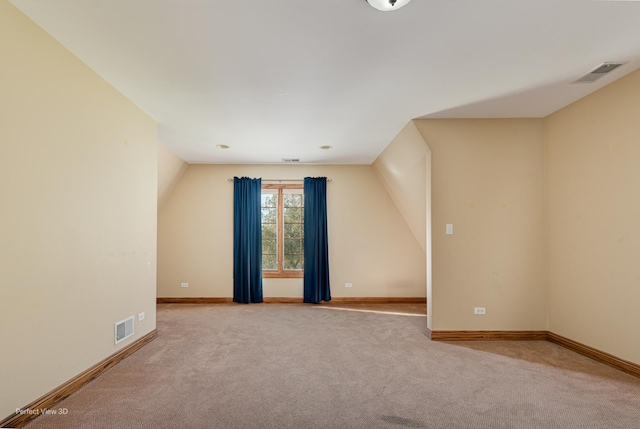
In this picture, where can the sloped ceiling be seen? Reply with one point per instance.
(277, 80)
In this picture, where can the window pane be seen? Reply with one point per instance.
(269, 231)
(269, 215)
(292, 200)
(269, 262)
(269, 247)
(292, 247)
(269, 199)
(292, 215)
(293, 230)
(292, 262)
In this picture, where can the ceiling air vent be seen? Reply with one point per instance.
(290, 159)
(600, 71)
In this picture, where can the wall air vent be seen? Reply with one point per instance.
(124, 329)
(600, 71)
(290, 160)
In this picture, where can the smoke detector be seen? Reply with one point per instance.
(387, 5)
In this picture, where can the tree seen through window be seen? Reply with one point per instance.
(282, 230)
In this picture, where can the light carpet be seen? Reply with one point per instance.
(297, 366)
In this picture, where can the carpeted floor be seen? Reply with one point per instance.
(299, 366)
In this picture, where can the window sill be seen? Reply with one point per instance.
(283, 274)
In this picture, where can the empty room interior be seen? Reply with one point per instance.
(481, 162)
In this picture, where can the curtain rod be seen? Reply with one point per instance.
(282, 180)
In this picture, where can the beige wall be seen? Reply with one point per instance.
(170, 170)
(78, 219)
(370, 245)
(593, 165)
(487, 180)
(404, 167)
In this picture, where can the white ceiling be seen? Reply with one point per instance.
(278, 79)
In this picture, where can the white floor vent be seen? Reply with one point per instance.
(124, 329)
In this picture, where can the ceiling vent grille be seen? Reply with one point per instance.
(291, 160)
(600, 71)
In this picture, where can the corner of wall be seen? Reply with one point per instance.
(402, 170)
(171, 168)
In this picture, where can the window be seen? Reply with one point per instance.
(282, 230)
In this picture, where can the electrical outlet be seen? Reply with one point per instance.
(479, 310)
(184, 284)
(140, 316)
(348, 285)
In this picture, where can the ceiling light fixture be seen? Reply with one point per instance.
(387, 5)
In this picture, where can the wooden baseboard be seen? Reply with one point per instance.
(194, 300)
(284, 300)
(380, 300)
(590, 352)
(487, 335)
(595, 354)
(52, 398)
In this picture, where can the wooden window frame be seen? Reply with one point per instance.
(281, 272)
